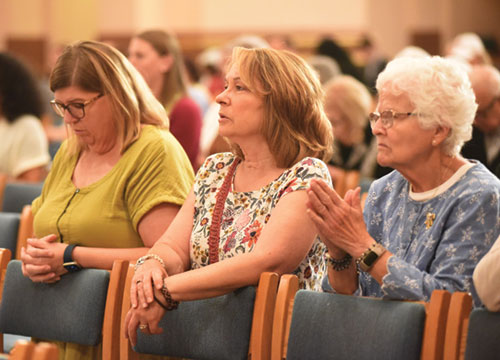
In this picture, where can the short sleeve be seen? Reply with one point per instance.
(161, 173)
(300, 175)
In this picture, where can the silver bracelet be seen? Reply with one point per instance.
(143, 259)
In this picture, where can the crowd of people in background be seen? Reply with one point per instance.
(191, 167)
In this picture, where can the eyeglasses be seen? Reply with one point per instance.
(387, 117)
(76, 109)
(484, 112)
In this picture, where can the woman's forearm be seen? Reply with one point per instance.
(102, 258)
(221, 277)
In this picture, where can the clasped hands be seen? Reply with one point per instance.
(145, 313)
(339, 221)
(42, 259)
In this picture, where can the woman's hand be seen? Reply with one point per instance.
(339, 221)
(42, 259)
(147, 319)
(148, 274)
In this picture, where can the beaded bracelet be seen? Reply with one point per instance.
(143, 259)
(160, 303)
(171, 303)
(339, 264)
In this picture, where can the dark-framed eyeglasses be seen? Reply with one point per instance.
(484, 111)
(387, 117)
(76, 109)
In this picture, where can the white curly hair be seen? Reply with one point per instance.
(441, 92)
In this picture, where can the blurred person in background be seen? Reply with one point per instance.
(485, 143)
(157, 56)
(331, 48)
(325, 66)
(347, 105)
(468, 48)
(373, 62)
(196, 89)
(24, 154)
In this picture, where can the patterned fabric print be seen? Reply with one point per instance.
(443, 256)
(246, 213)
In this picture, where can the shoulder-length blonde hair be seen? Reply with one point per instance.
(97, 67)
(354, 102)
(295, 124)
(174, 80)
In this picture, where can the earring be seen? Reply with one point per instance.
(434, 142)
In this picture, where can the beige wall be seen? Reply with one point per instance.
(390, 22)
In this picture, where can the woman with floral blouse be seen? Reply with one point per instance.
(428, 223)
(245, 214)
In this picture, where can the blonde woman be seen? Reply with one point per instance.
(245, 214)
(116, 184)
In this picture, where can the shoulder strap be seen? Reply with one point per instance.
(220, 199)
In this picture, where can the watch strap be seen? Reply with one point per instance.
(68, 253)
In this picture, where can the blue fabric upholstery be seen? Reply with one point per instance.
(483, 335)
(71, 310)
(16, 195)
(333, 326)
(217, 328)
(9, 227)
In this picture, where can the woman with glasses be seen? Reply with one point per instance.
(117, 182)
(426, 224)
(24, 151)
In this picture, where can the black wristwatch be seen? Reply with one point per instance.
(68, 263)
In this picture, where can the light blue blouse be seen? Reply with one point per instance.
(437, 254)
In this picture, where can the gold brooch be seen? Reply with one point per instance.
(429, 219)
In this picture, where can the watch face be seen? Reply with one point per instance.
(370, 258)
(72, 267)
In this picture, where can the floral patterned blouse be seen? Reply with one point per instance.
(246, 213)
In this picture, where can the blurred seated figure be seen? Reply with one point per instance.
(347, 105)
(197, 91)
(412, 51)
(157, 56)
(211, 75)
(245, 213)
(116, 183)
(485, 143)
(53, 125)
(331, 48)
(469, 48)
(325, 66)
(24, 153)
(487, 278)
(425, 225)
(374, 62)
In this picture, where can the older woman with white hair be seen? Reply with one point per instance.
(426, 224)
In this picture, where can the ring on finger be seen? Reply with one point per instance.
(143, 326)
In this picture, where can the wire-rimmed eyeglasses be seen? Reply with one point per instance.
(76, 109)
(387, 117)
